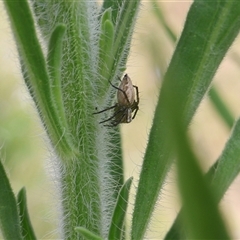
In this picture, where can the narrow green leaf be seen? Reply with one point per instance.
(115, 5)
(200, 214)
(35, 72)
(106, 15)
(26, 225)
(55, 55)
(9, 219)
(87, 234)
(221, 107)
(215, 98)
(209, 30)
(106, 57)
(228, 166)
(160, 16)
(54, 60)
(117, 223)
(220, 175)
(123, 33)
(202, 219)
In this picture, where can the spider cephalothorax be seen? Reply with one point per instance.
(126, 107)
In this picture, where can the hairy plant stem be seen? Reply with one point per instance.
(65, 88)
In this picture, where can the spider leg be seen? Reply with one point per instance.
(114, 124)
(105, 109)
(119, 89)
(137, 93)
(119, 121)
(115, 86)
(114, 115)
(135, 112)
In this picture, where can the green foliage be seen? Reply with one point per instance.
(116, 230)
(220, 176)
(67, 84)
(200, 213)
(26, 226)
(213, 93)
(9, 219)
(87, 234)
(88, 48)
(186, 81)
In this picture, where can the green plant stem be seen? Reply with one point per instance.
(106, 56)
(91, 177)
(79, 169)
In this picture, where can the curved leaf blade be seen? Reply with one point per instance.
(215, 97)
(201, 217)
(228, 166)
(9, 218)
(26, 225)
(220, 175)
(35, 73)
(221, 107)
(54, 61)
(117, 223)
(115, 5)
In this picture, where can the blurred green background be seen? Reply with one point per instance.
(23, 143)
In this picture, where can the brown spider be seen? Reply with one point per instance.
(126, 104)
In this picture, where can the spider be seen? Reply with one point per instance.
(126, 104)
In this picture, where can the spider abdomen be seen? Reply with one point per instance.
(127, 87)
